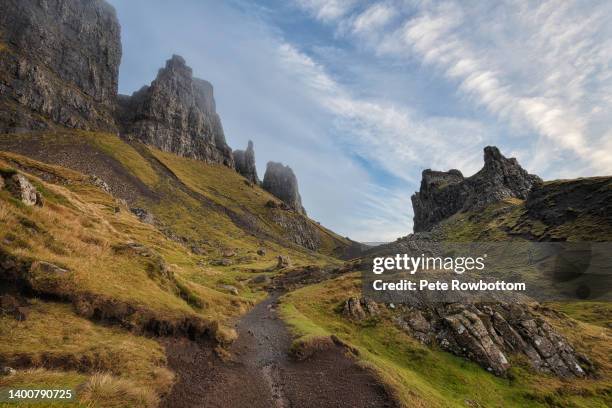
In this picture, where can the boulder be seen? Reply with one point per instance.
(176, 113)
(359, 308)
(221, 262)
(143, 215)
(228, 253)
(98, 182)
(229, 288)
(20, 187)
(260, 279)
(272, 204)
(245, 163)
(48, 268)
(7, 371)
(283, 262)
(443, 194)
(261, 251)
(281, 182)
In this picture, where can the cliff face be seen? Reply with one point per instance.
(245, 163)
(59, 63)
(443, 194)
(281, 182)
(177, 113)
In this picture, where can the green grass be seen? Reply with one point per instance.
(224, 187)
(428, 377)
(597, 313)
(112, 145)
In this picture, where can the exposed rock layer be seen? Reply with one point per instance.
(177, 114)
(281, 182)
(59, 63)
(443, 194)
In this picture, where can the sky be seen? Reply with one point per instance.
(359, 97)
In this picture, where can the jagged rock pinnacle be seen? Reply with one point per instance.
(281, 182)
(245, 163)
(443, 194)
(177, 113)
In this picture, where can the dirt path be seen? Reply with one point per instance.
(262, 375)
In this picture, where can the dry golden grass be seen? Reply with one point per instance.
(105, 390)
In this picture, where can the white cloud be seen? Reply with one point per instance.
(373, 18)
(541, 67)
(392, 136)
(327, 10)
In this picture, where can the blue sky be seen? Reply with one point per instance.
(358, 97)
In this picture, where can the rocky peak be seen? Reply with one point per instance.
(177, 113)
(281, 182)
(443, 194)
(245, 163)
(59, 62)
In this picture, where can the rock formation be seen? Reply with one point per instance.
(177, 114)
(359, 308)
(59, 62)
(490, 333)
(281, 182)
(245, 163)
(20, 188)
(443, 194)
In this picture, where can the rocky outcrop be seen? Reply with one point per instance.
(443, 194)
(177, 114)
(21, 188)
(359, 308)
(298, 230)
(281, 182)
(283, 261)
(59, 62)
(488, 334)
(561, 201)
(245, 163)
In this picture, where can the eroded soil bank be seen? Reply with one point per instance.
(260, 373)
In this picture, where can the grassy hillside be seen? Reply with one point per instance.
(428, 377)
(84, 261)
(181, 193)
(116, 283)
